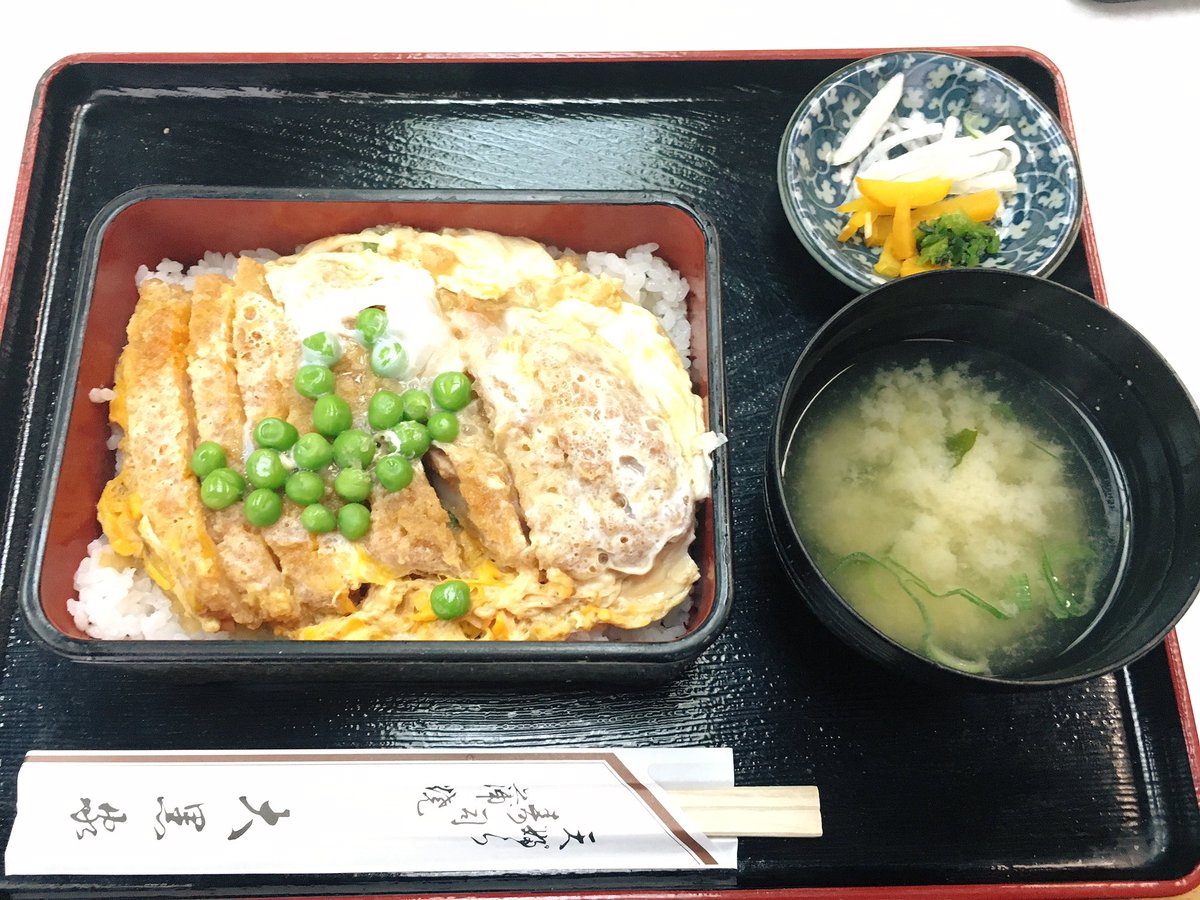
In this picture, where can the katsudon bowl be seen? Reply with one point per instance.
(157, 223)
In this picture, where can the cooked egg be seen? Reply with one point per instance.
(566, 502)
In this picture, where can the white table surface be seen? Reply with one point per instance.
(1132, 72)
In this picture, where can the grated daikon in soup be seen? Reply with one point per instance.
(959, 504)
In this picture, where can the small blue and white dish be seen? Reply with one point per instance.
(1037, 224)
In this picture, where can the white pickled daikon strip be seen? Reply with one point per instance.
(873, 117)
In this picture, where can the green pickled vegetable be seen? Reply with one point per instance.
(955, 240)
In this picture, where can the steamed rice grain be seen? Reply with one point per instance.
(651, 283)
(119, 601)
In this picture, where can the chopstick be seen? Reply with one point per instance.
(753, 811)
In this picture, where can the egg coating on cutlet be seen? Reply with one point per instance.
(602, 483)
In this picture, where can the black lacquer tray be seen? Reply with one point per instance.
(1079, 791)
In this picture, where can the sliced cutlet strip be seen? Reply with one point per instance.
(478, 487)
(179, 553)
(266, 353)
(410, 531)
(261, 593)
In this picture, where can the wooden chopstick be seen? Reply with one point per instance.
(752, 811)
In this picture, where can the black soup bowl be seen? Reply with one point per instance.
(1129, 399)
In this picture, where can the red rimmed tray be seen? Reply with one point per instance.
(1086, 791)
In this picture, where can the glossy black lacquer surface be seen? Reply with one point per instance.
(1087, 783)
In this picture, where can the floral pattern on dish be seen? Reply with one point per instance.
(1037, 224)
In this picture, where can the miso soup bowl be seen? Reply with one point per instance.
(1141, 413)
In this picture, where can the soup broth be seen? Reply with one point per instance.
(960, 504)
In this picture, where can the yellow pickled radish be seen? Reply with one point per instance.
(865, 204)
(981, 206)
(881, 229)
(888, 266)
(913, 265)
(904, 193)
(904, 244)
(857, 220)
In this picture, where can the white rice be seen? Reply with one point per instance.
(651, 283)
(670, 627)
(226, 264)
(118, 600)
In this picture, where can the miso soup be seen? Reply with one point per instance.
(960, 504)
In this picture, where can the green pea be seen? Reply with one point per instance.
(304, 488)
(443, 426)
(384, 410)
(388, 359)
(352, 484)
(331, 415)
(451, 390)
(321, 349)
(416, 405)
(312, 452)
(450, 599)
(275, 433)
(353, 449)
(264, 469)
(314, 381)
(372, 324)
(354, 520)
(221, 488)
(317, 519)
(262, 508)
(207, 457)
(394, 472)
(413, 438)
